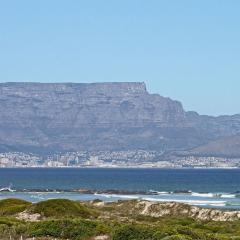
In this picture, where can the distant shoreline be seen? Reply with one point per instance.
(94, 167)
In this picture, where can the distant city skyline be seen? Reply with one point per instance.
(186, 50)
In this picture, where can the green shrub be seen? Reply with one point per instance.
(12, 206)
(66, 229)
(65, 220)
(139, 232)
(179, 237)
(59, 208)
(132, 232)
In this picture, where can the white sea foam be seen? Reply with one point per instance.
(102, 195)
(210, 204)
(7, 189)
(213, 195)
(228, 196)
(159, 192)
(117, 196)
(38, 197)
(208, 195)
(188, 201)
(128, 196)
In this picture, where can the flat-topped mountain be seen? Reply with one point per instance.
(50, 117)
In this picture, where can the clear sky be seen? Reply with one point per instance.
(187, 50)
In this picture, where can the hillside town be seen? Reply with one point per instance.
(114, 159)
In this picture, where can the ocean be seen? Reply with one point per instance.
(218, 188)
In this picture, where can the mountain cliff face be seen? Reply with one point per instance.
(49, 117)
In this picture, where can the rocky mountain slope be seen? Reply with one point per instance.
(50, 117)
(224, 147)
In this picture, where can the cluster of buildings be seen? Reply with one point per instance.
(79, 159)
(207, 162)
(19, 159)
(118, 159)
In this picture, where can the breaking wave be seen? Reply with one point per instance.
(206, 199)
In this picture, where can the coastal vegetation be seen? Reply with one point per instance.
(124, 220)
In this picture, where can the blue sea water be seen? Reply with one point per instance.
(207, 187)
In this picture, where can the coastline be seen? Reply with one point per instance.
(200, 187)
(121, 167)
(201, 199)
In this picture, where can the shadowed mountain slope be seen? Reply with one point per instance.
(50, 117)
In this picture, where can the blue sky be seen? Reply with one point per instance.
(187, 50)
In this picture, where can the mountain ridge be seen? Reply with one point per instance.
(50, 117)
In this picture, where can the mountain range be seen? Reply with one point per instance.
(58, 117)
